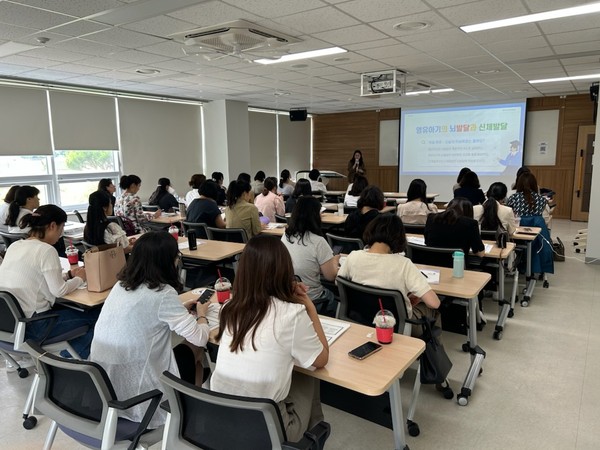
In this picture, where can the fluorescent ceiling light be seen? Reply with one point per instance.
(303, 55)
(430, 91)
(537, 17)
(578, 77)
(12, 48)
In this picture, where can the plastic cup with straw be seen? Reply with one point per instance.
(223, 288)
(384, 324)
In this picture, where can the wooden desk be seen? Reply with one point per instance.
(527, 235)
(430, 197)
(333, 219)
(167, 219)
(466, 289)
(279, 231)
(85, 298)
(212, 251)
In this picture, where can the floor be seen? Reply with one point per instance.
(539, 388)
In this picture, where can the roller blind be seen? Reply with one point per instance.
(24, 124)
(263, 143)
(83, 122)
(294, 144)
(160, 139)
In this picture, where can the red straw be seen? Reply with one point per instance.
(382, 310)
(219, 272)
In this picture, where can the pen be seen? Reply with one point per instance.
(424, 274)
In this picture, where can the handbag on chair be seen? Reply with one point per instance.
(435, 364)
(102, 264)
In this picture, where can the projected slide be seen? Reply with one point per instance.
(488, 139)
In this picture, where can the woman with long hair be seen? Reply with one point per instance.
(356, 166)
(204, 209)
(310, 252)
(98, 230)
(470, 189)
(286, 185)
(461, 174)
(370, 202)
(494, 214)
(302, 188)
(162, 196)
(241, 212)
(218, 178)
(354, 191)
(417, 206)
(32, 272)
(129, 206)
(133, 334)
(25, 201)
(527, 201)
(8, 199)
(268, 202)
(267, 327)
(107, 185)
(195, 182)
(455, 228)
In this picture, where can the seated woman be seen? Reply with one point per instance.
(32, 272)
(195, 183)
(258, 351)
(129, 206)
(8, 199)
(26, 200)
(459, 178)
(241, 212)
(107, 185)
(455, 228)
(258, 183)
(370, 202)
(417, 208)
(133, 334)
(217, 177)
(494, 214)
(470, 189)
(98, 230)
(286, 185)
(162, 198)
(310, 252)
(205, 209)
(354, 190)
(527, 201)
(302, 188)
(269, 203)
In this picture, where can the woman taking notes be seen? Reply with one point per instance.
(129, 206)
(163, 197)
(133, 334)
(31, 271)
(267, 327)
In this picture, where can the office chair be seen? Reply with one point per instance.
(9, 238)
(199, 228)
(227, 234)
(80, 400)
(118, 220)
(432, 256)
(199, 418)
(359, 303)
(13, 325)
(150, 208)
(79, 217)
(414, 228)
(280, 219)
(342, 244)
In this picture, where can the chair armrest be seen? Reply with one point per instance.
(53, 319)
(313, 439)
(126, 404)
(165, 406)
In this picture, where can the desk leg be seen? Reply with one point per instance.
(397, 417)
(530, 279)
(477, 355)
(504, 305)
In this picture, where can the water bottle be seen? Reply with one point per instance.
(458, 267)
(192, 244)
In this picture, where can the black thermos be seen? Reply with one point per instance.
(192, 240)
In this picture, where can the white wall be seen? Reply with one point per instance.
(593, 243)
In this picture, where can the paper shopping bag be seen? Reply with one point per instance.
(102, 264)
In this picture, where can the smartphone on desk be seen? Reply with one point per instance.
(365, 350)
(205, 296)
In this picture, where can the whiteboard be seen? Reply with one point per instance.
(388, 142)
(541, 133)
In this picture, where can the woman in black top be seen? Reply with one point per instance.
(302, 188)
(455, 228)
(161, 196)
(217, 177)
(470, 189)
(205, 209)
(370, 202)
(107, 185)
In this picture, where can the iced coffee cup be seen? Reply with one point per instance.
(72, 255)
(384, 326)
(223, 288)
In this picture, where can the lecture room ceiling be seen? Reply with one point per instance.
(101, 44)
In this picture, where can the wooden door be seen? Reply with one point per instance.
(583, 173)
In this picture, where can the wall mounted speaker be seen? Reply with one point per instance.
(298, 114)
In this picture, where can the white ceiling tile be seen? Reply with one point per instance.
(549, 5)
(48, 74)
(171, 49)
(10, 32)
(161, 26)
(371, 44)
(178, 65)
(318, 20)
(31, 39)
(590, 46)
(12, 69)
(138, 57)
(212, 13)
(435, 21)
(24, 16)
(521, 44)
(23, 60)
(73, 8)
(483, 11)
(389, 51)
(106, 63)
(382, 9)
(79, 69)
(86, 47)
(124, 38)
(573, 37)
(276, 8)
(80, 28)
(55, 54)
(350, 35)
(570, 24)
(522, 32)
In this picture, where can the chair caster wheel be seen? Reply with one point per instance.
(445, 390)
(30, 422)
(465, 347)
(23, 373)
(481, 326)
(481, 371)
(497, 335)
(413, 428)
(406, 447)
(546, 285)
(525, 302)
(511, 312)
(462, 400)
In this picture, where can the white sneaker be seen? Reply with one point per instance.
(24, 362)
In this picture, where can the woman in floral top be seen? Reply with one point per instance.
(527, 201)
(129, 205)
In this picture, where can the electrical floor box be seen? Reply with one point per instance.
(382, 82)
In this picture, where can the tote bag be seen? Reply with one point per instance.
(102, 264)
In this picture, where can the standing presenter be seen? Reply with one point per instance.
(356, 165)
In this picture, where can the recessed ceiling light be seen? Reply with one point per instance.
(487, 71)
(341, 58)
(578, 77)
(431, 91)
(299, 66)
(147, 71)
(411, 26)
(537, 17)
(303, 55)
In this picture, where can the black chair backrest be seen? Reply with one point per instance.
(9, 238)
(359, 303)
(199, 228)
(118, 220)
(341, 244)
(280, 219)
(488, 235)
(413, 228)
(432, 256)
(79, 217)
(212, 420)
(227, 234)
(349, 209)
(10, 313)
(150, 208)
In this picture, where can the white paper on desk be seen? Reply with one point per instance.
(183, 245)
(433, 276)
(274, 225)
(488, 247)
(333, 329)
(83, 286)
(417, 240)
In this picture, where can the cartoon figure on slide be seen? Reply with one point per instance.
(513, 160)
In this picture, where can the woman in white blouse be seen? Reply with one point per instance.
(416, 209)
(132, 340)
(25, 202)
(98, 230)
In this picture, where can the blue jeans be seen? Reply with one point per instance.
(330, 307)
(68, 319)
